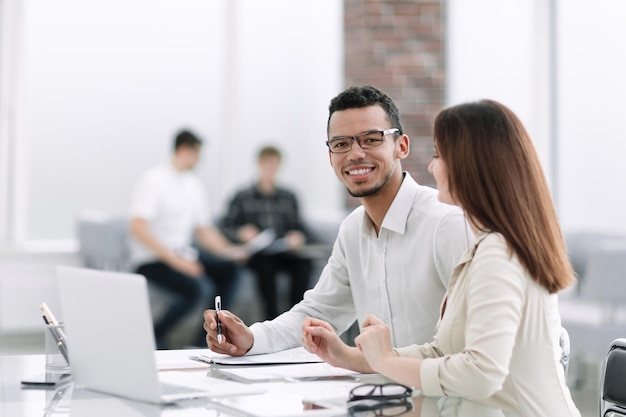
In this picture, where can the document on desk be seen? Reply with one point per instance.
(295, 356)
(289, 373)
(178, 359)
(199, 380)
(292, 400)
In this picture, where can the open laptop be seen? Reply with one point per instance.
(110, 336)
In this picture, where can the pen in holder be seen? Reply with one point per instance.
(56, 350)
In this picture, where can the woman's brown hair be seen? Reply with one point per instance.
(495, 176)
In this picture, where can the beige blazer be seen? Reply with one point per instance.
(497, 340)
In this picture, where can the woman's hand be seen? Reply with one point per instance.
(375, 342)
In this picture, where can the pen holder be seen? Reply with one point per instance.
(55, 361)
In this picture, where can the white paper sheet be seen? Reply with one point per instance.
(217, 387)
(289, 356)
(291, 400)
(309, 371)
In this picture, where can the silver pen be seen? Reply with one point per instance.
(218, 308)
(57, 332)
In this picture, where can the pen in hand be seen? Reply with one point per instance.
(218, 308)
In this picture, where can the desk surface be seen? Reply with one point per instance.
(281, 399)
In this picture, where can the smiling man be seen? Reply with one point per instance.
(393, 255)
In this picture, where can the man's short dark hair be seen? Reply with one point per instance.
(365, 96)
(269, 150)
(186, 138)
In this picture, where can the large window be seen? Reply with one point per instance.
(559, 65)
(94, 92)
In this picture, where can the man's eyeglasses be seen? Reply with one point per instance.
(366, 140)
(389, 399)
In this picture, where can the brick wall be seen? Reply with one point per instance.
(399, 46)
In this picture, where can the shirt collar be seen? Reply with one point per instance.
(396, 218)
(398, 213)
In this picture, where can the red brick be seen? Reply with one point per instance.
(399, 47)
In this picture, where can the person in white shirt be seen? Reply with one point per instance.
(169, 209)
(393, 254)
(497, 340)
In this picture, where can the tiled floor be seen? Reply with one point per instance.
(585, 397)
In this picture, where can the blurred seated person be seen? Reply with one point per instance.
(265, 205)
(168, 213)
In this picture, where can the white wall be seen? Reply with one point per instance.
(283, 65)
(592, 172)
(104, 86)
(26, 282)
(501, 50)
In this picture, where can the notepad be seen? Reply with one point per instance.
(286, 357)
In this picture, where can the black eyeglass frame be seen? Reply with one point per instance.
(398, 406)
(408, 392)
(357, 139)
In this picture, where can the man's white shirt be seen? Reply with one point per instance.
(400, 275)
(174, 203)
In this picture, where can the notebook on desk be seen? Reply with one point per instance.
(110, 337)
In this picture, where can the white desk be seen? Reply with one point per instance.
(16, 401)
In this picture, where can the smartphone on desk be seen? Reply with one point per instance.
(46, 380)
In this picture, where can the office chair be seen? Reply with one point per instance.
(103, 240)
(613, 394)
(581, 247)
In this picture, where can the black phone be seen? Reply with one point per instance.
(46, 379)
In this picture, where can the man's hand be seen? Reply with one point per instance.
(247, 232)
(187, 267)
(237, 337)
(140, 229)
(295, 239)
(236, 253)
